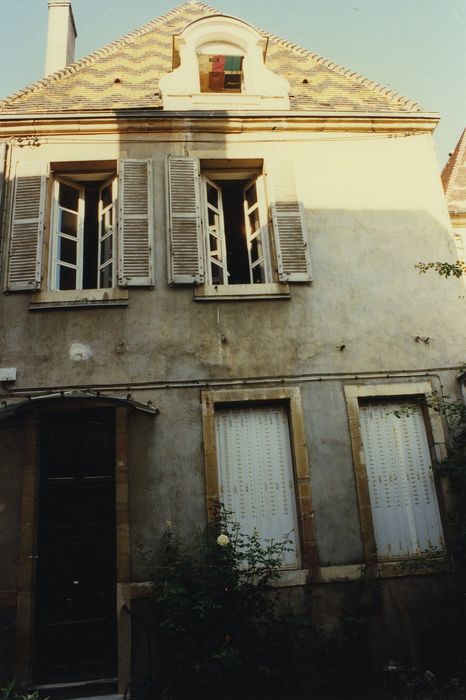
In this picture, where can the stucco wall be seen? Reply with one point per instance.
(374, 207)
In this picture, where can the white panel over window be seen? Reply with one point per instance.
(293, 260)
(256, 473)
(27, 228)
(401, 486)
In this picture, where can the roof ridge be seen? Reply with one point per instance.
(459, 157)
(341, 70)
(106, 50)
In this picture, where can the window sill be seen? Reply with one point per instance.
(387, 569)
(72, 299)
(239, 292)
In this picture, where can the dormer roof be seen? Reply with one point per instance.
(125, 75)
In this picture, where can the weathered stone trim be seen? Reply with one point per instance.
(292, 397)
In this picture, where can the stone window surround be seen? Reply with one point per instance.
(291, 397)
(437, 444)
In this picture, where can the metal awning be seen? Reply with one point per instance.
(33, 402)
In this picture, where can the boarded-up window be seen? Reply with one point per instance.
(401, 485)
(256, 473)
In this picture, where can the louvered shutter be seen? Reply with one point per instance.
(185, 246)
(291, 244)
(136, 223)
(27, 228)
(399, 470)
(256, 473)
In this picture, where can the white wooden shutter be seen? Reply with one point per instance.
(27, 228)
(256, 473)
(402, 491)
(185, 245)
(291, 244)
(136, 223)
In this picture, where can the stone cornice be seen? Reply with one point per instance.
(149, 121)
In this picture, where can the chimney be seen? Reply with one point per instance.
(61, 36)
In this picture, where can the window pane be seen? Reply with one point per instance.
(106, 277)
(106, 250)
(254, 221)
(212, 195)
(213, 220)
(214, 246)
(66, 278)
(107, 195)
(251, 195)
(67, 222)
(258, 274)
(68, 197)
(107, 221)
(217, 274)
(232, 82)
(66, 250)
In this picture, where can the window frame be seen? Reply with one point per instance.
(221, 49)
(291, 398)
(436, 438)
(255, 178)
(54, 234)
(31, 256)
(285, 219)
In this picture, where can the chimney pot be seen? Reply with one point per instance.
(61, 36)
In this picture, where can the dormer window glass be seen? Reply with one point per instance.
(220, 73)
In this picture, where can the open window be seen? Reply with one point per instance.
(230, 232)
(235, 227)
(83, 232)
(80, 229)
(219, 72)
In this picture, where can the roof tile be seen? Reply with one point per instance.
(125, 75)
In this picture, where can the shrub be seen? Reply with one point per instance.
(219, 624)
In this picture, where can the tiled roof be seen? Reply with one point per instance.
(454, 177)
(125, 74)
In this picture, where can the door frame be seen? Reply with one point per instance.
(27, 556)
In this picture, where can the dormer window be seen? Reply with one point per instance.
(220, 73)
(219, 63)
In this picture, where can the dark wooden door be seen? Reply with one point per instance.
(75, 620)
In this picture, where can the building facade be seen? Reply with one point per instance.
(209, 240)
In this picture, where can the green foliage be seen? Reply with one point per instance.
(220, 629)
(11, 692)
(444, 269)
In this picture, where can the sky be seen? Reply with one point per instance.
(415, 47)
